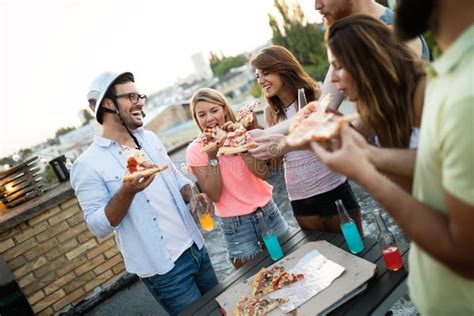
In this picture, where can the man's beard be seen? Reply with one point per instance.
(413, 18)
(342, 12)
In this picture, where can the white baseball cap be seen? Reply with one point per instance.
(99, 87)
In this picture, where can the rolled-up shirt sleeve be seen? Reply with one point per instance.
(93, 196)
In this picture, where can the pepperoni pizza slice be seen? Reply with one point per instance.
(139, 165)
(270, 280)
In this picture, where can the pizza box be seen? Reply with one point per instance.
(352, 281)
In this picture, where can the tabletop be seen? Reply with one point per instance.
(383, 290)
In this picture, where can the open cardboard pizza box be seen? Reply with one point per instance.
(353, 280)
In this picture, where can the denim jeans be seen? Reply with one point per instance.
(243, 234)
(191, 277)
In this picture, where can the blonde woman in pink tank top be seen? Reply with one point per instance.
(312, 187)
(236, 184)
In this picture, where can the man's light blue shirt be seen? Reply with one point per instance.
(97, 175)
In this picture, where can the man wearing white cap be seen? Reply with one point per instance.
(153, 228)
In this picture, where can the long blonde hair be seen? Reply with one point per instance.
(385, 71)
(214, 97)
(278, 59)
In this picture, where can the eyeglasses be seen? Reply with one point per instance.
(133, 97)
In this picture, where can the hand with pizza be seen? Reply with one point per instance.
(313, 123)
(138, 165)
(212, 138)
(237, 141)
(246, 115)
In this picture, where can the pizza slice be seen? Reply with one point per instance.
(256, 306)
(270, 280)
(318, 127)
(245, 115)
(138, 164)
(309, 110)
(237, 141)
(211, 138)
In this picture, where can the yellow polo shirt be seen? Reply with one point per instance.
(445, 163)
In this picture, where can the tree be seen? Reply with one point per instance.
(87, 116)
(255, 90)
(304, 40)
(64, 130)
(221, 66)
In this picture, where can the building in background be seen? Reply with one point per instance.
(201, 66)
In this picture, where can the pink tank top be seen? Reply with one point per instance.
(305, 174)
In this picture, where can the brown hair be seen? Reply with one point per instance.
(385, 71)
(278, 59)
(214, 97)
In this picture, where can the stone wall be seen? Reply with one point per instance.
(56, 261)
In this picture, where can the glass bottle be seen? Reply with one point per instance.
(387, 244)
(205, 217)
(271, 240)
(349, 229)
(301, 99)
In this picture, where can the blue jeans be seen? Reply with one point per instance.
(243, 234)
(191, 277)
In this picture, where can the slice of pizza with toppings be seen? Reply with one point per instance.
(138, 164)
(309, 110)
(211, 138)
(245, 115)
(256, 306)
(269, 280)
(318, 128)
(237, 141)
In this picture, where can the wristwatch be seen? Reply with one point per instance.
(213, 162)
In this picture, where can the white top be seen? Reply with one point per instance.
(305, 174)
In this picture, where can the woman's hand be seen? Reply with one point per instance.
(269, 146)
(200, 198)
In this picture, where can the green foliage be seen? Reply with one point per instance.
(221, 66)
(255, 90)
(25, 153)
(64, 130)
(304, 40)
(49, 177)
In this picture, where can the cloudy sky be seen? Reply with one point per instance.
(51, 50)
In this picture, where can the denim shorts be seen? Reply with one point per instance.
(243, 234)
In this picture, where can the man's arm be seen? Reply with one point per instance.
(447, 237)
(398, 162)
(330, 88)
(118, 206)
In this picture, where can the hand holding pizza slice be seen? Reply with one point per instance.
(245, 115)
(211, 138)
(237, 141)
(138, 165)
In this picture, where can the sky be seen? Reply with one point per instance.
(50, 51)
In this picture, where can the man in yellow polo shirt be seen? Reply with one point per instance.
(439, 218)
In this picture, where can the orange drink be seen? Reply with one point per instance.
(206, 221)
